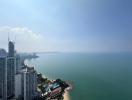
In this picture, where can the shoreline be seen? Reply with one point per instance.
(66, 96)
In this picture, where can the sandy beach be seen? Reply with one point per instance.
(66, 96)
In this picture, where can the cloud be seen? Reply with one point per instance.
(26, 39)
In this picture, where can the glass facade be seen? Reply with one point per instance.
(11, 76)
(2, 77)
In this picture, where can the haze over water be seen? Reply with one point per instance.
(96, 76)
(75, 26)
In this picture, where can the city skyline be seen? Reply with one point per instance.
(67, 26)
(18, 81)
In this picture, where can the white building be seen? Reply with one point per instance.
(18, 85)
(26, 84)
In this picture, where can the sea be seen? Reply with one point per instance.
(93, 76)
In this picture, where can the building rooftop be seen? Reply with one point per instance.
(3, 53)
(27, 69)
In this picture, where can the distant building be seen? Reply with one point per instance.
(11, 51)
(3, 53)
(3, 74)
(26, 83)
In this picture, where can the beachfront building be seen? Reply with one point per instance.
(26, 83)
(18, 86)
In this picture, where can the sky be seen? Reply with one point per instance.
(67, 25)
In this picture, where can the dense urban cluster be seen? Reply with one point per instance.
(21, 82)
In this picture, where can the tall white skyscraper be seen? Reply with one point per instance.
(26, 83)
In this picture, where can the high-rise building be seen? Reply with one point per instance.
(3, 74)
(11, 76)
(18, 63)
(11, 68)
(18, 86)
(26, 83)
(30, 83)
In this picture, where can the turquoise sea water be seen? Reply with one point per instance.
(104, 76)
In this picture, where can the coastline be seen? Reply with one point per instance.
(66, 96)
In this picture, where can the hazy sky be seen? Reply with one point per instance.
(67, 25)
